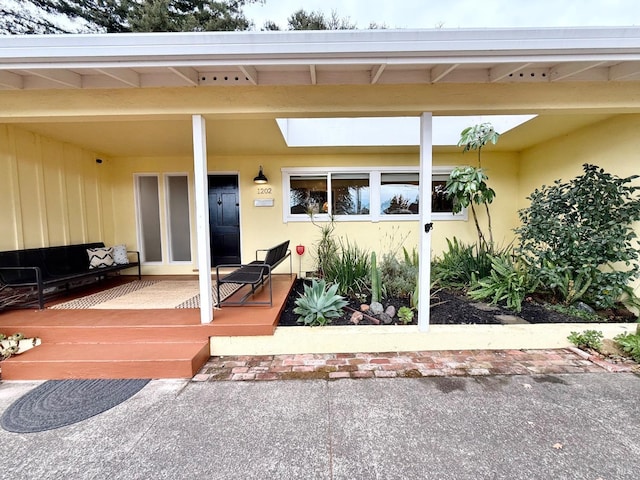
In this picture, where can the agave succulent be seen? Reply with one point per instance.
(318, 305)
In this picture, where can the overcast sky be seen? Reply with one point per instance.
(458, 13)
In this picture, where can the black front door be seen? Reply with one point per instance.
(224, 219)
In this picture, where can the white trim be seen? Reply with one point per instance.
(201, 183)
(424, 243)
(375, 174)
(363, 57)
(392, 46)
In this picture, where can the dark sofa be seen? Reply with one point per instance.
(44, 268)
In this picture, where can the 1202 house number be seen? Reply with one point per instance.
(264, 191)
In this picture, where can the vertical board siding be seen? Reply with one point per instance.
(10, 213)
(31, 189)
(54, 188)
(51, 192)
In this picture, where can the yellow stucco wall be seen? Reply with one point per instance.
(52, 193)
(262, 227)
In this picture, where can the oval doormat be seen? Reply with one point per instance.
(57, 403)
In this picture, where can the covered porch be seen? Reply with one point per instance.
(91, 125)
(141, 343)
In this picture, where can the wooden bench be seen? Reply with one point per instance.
(254, 274)
(47, 269)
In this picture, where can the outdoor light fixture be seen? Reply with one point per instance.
(260, 178)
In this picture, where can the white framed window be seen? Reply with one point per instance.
(147, 195)
(362, 194)
(178, 217)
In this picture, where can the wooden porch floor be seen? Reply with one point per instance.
(150, 343)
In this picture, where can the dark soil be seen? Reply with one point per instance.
(455, 308)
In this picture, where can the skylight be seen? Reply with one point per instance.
(385, 131)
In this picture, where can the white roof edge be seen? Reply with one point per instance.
(382, 45)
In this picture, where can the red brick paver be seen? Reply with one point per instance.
(392, 365)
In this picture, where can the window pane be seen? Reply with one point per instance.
(308, 194)
(440, 203)
(178, 217)
(399, 194)
(350, 193)
(149, 214)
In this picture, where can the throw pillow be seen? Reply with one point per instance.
(100, 257)
(120, 254)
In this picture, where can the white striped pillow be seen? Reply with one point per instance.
(100, 257)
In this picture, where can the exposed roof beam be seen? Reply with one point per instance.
(376, 72)
(62, 77)
(251, 73)
(567, 70)
(124, 75)
(188, 74)
(11, 80)
(314, 76)
(502, 71)
(440, 71)
(624, 70)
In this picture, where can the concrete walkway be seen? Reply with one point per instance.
(565, 426)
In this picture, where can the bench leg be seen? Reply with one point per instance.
(40, 299)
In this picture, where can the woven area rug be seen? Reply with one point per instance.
(57, 403)
(148, 294)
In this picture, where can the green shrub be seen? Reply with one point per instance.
(630, 344)
(399, 277)
(588, 339)
(349, 268)
(405, 314)
(327, 249)
(575, 312)
(581, 231)
(571, 286)
(376, 284)
(319, 304)
(468, 185)
(459, 263)
(508, 282)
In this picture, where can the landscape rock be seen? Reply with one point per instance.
(376, 308)
(386, 319)
(611, 348)
(391, 311)
(356, 318)
(585, 308)
(364, 307)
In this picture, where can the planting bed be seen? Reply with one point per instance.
(454, 308)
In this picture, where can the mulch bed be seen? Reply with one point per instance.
(455, 308)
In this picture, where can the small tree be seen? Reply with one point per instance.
(578, 238)
(468, 185)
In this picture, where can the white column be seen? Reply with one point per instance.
(202, 217)
(424, 276)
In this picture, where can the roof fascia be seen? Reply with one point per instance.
(392, 46)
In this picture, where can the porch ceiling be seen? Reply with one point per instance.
(137, 63)
(172, 137)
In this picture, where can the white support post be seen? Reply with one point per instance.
(202, 217)
(424, 275)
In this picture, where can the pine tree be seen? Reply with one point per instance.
(117, 16)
